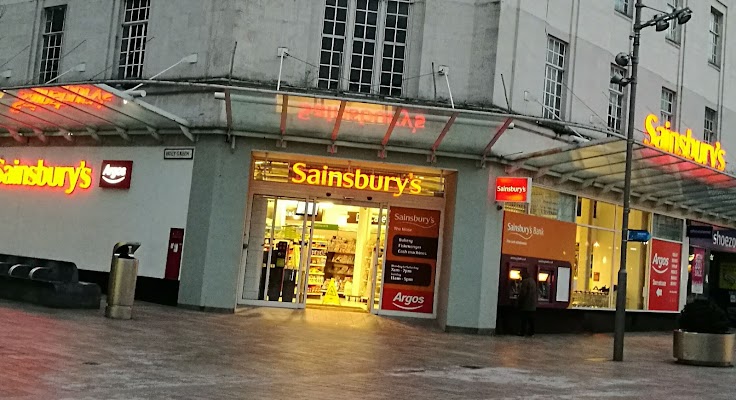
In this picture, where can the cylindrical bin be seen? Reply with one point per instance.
(121, 287)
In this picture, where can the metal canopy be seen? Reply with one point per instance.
(81, 109)
(657, 176)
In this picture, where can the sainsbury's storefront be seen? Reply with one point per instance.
(315, 201)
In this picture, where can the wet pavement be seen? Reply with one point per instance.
(259, 353)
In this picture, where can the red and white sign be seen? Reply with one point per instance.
(513, 189)
(410, 269)
(116, 174)
(664, 276)
(173, 256)
(697, 277)
(396, 299)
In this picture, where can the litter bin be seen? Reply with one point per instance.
(121, 287)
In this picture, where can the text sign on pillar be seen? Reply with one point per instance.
(664, 276)
(513, 189)
(411, 260)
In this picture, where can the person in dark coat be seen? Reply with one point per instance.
(527, 303)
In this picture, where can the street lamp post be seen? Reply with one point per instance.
(661, 23)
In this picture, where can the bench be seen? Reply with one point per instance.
(49, 283)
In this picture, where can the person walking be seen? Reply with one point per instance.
(527, 303)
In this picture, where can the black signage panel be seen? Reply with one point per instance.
(414, 246)
(406, 273)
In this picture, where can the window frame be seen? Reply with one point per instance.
(46, 74)
(344, 82)
(674, 33)
(715, 37)
(126, 53)
(667, 115)
(623, 7)
(619, 91)
(551, 70)
(710, 134)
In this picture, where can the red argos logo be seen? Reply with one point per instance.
(116, 174)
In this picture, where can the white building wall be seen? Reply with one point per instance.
(84, 226)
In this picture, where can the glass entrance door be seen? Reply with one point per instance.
(378, 259)
(276, 251)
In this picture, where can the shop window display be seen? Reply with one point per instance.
(598, 259)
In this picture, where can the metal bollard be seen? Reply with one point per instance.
(121, 287)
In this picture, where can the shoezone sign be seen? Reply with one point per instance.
(411, 260)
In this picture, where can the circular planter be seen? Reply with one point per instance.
(706, 349)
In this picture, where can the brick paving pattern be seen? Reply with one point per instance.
(260, 353)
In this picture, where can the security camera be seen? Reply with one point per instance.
(511, 125)
(622, 59)
(370, 198)
(328, 194)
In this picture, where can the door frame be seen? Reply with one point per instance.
(304, 259)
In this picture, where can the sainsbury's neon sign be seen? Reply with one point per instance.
(357, 179)
(66, 178)
(77, 95)
(684, 145)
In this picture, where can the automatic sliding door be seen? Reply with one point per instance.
(276, 255)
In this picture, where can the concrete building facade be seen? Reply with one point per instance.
(465, 70)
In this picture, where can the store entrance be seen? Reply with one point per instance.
(314, 252)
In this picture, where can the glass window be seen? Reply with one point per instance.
(595, 213)
(52, 37)
(668, 228)
(616, 100)
(673, 33)
(592, 273)
(133, 43)
(667, 110)
(550, 204)
(553, 78)
(370, 46)
(710, 125)
(716, 21)
(622, 6)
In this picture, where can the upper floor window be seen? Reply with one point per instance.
(622, 6)
(716, 23)
(667, 111)
(364, 46)
(710, 128)
(673, 33)
(553, 78)
(133, 43)
(616, 100)
(52, 36)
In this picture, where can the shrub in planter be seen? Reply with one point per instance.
(703, 316)
(704, 337)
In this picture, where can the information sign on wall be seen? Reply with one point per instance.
(664, 276)
(411, 260)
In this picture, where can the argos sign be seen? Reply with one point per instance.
(116, 174)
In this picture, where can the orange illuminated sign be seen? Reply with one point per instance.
(684, 145)
(355, 179)
(66, 178)
(355, 112)
(78, 95)
(512, 189)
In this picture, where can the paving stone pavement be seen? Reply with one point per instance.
(262, 353)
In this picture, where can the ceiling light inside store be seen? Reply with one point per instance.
(342, 220)
(325, 205)
(596, 244)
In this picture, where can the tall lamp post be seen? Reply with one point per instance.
(661, 22)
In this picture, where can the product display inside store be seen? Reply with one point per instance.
(338, 243)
